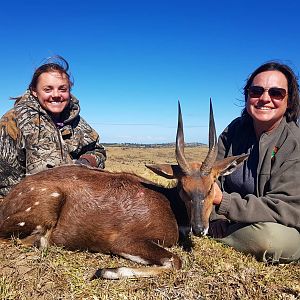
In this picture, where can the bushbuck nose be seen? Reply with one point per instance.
(199, 230)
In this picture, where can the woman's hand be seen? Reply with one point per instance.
(218, 194)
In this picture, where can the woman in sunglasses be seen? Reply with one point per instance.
(257, 207)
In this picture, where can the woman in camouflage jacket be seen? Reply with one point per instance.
(44, 129)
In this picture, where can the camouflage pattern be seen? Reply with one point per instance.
(30, 141)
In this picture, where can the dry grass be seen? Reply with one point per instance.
(134, 159)
(210, 271)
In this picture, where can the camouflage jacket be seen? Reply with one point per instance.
(30, 141)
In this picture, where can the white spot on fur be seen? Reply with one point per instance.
(44, 189)
(21, 224)
(36, 203)
(20, 194)
(134, 258)
(28, 209)
(32, 188)
(55, 194)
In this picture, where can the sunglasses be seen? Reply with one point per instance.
(276, 93)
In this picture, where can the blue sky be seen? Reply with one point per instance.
(132, 60)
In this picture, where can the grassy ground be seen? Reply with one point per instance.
(210, 271)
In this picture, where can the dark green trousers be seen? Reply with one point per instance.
(268, 242)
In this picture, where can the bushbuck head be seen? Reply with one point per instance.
(195, 180)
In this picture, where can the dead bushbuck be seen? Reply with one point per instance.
(78, 207)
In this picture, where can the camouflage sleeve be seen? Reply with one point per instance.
(12, 170)
(92, 150)
(95, 157)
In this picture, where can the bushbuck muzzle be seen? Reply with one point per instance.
(197, 225)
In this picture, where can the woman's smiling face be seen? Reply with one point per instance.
(53, 92)
(267, 112)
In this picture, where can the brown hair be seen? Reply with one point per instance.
(54, 63)
(293, 108)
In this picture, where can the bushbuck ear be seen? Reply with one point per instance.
(227, 165)
(165, 170)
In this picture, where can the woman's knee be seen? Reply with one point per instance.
(268, 242)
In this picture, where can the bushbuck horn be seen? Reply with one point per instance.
(179, 151)
(213, 148)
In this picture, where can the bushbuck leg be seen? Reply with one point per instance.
(32, 221)
(144, 252)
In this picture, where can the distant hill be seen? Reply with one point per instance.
(161, 145)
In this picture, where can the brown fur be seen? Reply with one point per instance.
(83, 208)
